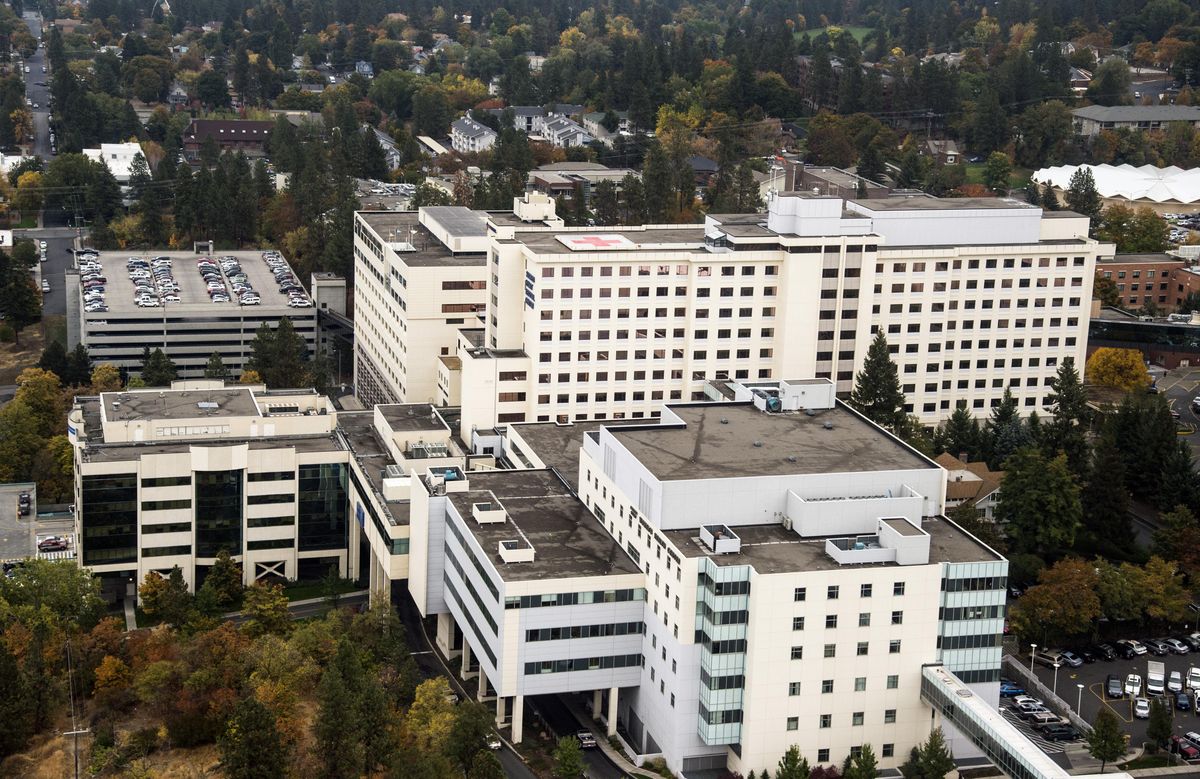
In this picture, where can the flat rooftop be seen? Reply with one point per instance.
(193, 290)
(567, 540)
(902, 203)
(404, 227)
(95, 453)
(1123, 259)
(358, 428)
(558, 445)
(723, 440)
(658, 239)
(902, 526)
(179, 404)
(408, 417)
(774, 549)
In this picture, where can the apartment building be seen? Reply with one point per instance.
(468, 136)
(584, 325)
(1161, 280)
(734, 578)
(168, 478)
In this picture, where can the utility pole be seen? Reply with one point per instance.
(74, 731)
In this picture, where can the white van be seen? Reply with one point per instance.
(1193, 678)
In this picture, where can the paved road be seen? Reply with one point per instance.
(59, 258)
(38, 94)
(1180, 386)
(563, 723)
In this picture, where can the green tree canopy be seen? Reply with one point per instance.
(876, 391)
(1039, 504)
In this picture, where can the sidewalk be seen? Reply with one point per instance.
(581, 715)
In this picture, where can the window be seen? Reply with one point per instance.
(863, 648)
(831, 650)
(857, 718)
(793, 723)
(832, 592)
(827, 686)
(864, 619)
(894, 646)
(793, 688)
(822, 755)
(797, 653)
(797, 623)
(831, 620)
(826, 721)
(898, 588)
(799, 594)
(889, 716)
(897, 617)
(893, 681)
(889, 750)
(864, 591)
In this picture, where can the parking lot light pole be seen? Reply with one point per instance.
(1032, 652)
(1079, 700)
(1056, 665)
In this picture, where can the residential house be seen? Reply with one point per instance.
(563, 132)
(942, 152)
(468, 136)
(117, 156)
(390, 150)
(1080, 79)
(971, 482)
(704, 169)
(364, 68)
(593, 122)
(1090, 120)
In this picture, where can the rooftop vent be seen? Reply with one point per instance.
(720, 539)
(828, 425)
(791, 458)
(724, 420)
(208, 405)
(758, 444)
(488, 513)
(516, 550)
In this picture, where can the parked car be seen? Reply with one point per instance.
(1183, 701)
(1156, 647)
(1141, 708)
(1060, 732)
(493, 742)
(52, 544)
(1193, 738)
(1105, 651)
(1182, 747)
(1175, 682)
(1009, 689)
(1133, 685)
(1112, 686)
(1070, 658)
(24, 499)
(1176, 646)
(586, 739)
(1087, 655)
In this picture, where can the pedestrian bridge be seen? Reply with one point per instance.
(979, 721)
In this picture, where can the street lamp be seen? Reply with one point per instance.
(1032, 652)
(1079, 700)
(1056, 665)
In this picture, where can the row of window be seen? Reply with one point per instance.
(1008, 262)
(886, 750)
(574, 598)
(582, 664)
(856, 718)
(864, 620)
(567, 293)
(703, 271)
(834, 591)
(164, 505)
(585, 631)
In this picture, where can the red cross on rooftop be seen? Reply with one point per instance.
(597, 242)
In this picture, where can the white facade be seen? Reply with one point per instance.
(468, 136)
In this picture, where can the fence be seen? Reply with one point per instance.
(1021, 674)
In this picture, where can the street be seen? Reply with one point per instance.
(1179, 387)
(39, 95)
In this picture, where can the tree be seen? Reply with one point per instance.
(279, 356)
(1122, 369)
(861, 765)
(28, 198)
(1104, 498)
(792, 765)
(40, 393)
(1162, 723)
(1066, 432)
(106, 378)
(165, 598)
(212, 89)
(266, 610)
(1111, 83)
(568, 758)
(1082, 197)
(485, 765)
(1106, 743)
(1106, 290)
(16, 698)
(934, 757)
(251, 746)
(337, 735)
(22, 300)
(79, 367)
(996, 172)
(215, 367)
(224, 580)
(1063, 604)
(429, 195)
(157, 369)
(472, 724)
(1134, 231)
(876, 391)
(1039, 504)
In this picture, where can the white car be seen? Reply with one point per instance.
(42, 245)
(45, 286)
(1175, 682)
(1133, 685)
(1141, 708)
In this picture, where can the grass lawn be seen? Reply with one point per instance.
(26, 223)
(1016, 179)
(858, 32)
(307, 590)
(1148, 761)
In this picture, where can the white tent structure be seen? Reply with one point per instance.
(1163, 189)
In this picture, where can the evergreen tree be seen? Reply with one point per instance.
(1161, 724)
(251, 746)
(215, 367)
(1178, 484)
(16, 701)
(337, 734)
(568, 758)
(792, 765)
(157, 368)
(934, 757)
(1105, 499)
(862, 765)
(1067, 431)
(278, 356)
(1032, 194)
(1146, 432)
(876, 391)
(1082, 197)
(1039, 504)
(1050, 198)
(54, 359)
(659, 186)
(606, 202)
(79, 367)
(1106, 742)
(960, 435)
(224, 580)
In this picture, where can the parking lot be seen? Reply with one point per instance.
(19, 535)
(1093, 675)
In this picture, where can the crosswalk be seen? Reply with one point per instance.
(1049, 747)
(61, 554)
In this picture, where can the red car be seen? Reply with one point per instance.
(52, 544)
(1184, 748)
